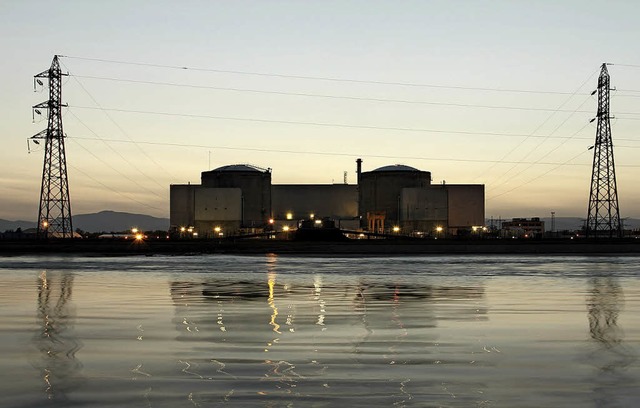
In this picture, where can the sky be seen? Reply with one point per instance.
(489, 92)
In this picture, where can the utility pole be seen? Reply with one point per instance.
(54, 214)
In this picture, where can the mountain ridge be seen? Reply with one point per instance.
(102, 221)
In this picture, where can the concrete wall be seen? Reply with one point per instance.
(256, 192)
(218, 204)
(424, 204)
(381, 190)
(204, 208)
(466, 205)
(218, 208)
(181, 205)
(337, 201)
(423, 209)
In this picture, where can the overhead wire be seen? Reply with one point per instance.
(313, 78)
(318, 153)
(540, 144)
(321, 124)
(120, 193)
(107, 164)
(538, 162)
(436, 131)
(553, 169)
(121, 129)
(538, 177)
(623, 65)
(326, 96)
(537, 128)
(125, 159)
(306, 152)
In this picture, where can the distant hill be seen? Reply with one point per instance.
(108, 221)
(112, 221)
(13, 225)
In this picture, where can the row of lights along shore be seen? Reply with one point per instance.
(190, 231)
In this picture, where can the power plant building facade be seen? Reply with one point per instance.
(240, 199)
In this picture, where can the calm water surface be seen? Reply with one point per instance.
(274, 331)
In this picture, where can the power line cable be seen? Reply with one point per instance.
(120, 128)
(321, 124)
(115, 151)
(624, 65)
(114, 190)
(314, 78)
(623, 118)
(116, 170)
(537, 161)
(320, 153)
(537, 177)
(539, 126)
(548, 153)
(540, 144)
(326, 96)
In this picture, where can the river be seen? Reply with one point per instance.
(271, 331)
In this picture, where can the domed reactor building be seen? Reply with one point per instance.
(402, 198)
(395, 199)
(229, 199)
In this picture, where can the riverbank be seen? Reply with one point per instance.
(356, 247)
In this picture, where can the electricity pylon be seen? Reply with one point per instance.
(54, 215)
(603, 219)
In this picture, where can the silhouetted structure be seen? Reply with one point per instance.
(604, 215)
(396, 199)
(54, 215)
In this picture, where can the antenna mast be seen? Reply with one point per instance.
(54, 214)
(603, 219)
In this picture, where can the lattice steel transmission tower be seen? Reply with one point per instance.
(54, 215)
(603, 219)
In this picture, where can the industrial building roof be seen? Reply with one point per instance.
(396, 167)
(240, 167)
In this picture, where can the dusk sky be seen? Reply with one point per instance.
(489, 92)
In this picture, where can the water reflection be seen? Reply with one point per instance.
(353, 298)
(604, 305)
(611, 356)
(271, 282)
(55, 340)
(339, 334)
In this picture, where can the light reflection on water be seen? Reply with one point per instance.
(295, 331)
(55, 341)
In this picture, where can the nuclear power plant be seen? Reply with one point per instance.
(396, 199)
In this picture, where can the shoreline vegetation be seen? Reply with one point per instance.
(374, 247)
